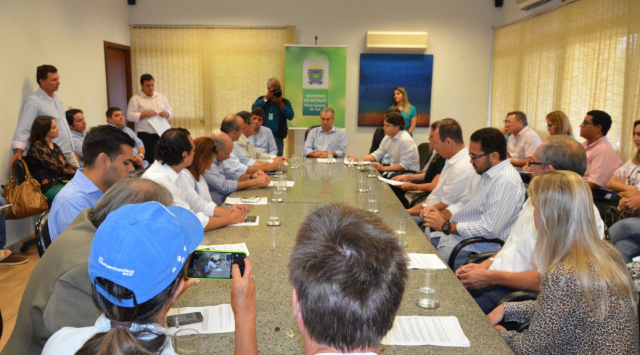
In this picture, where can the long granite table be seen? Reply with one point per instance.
(269, 248)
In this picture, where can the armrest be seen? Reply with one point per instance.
(470, 241)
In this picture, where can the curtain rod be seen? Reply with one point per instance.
(536, 14)
(286, 27)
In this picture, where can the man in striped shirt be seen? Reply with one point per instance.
(491, 203)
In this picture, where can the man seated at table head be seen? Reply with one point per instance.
(327, 138)
(221, 180)
(348, 273)
(233, 126)
(108, 157)
(245, 144)
(398, 145)
(602, 160)
(513, 267)
(78, 127)
(173, 153)
(490, 205)
(523, 142)
(457, 171)
(262, 139)
(116, 118)
(58, 293)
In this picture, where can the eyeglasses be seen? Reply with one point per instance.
(507, 121)
(474, 157)
(586, 123)
(531, 162)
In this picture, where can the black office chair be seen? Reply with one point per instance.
(470, 241)
(519, 296)
(306, 133)
(424, 152)
(378, 135)
(43, 238)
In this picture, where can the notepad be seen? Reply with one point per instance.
(390, 182)
(216, 319)
(246, 200)
(420, 330)
(425, 261)
(275, 183)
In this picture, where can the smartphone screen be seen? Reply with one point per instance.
(185, 318)
(251, 219)
(214, 264)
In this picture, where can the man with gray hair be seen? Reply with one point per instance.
(277, 111)
(245, 144)
(513, 267)
(326, 139)
(345, 259)
(523, 142)
(58, 293)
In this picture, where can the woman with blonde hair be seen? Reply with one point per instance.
(408, 111)
(558, 124)
(586, 304)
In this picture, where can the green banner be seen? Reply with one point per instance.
(315, 77)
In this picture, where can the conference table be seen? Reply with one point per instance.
(269, 247)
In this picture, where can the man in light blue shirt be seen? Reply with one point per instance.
(108, 157)
(116, 118)
(262, 139)
(78, 126)
(44, 102)
(326, 139)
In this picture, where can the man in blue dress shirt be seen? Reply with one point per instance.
(277, 111)
(108, 157)
(262, 139)
(326, 139)
(115, 118)
(78, 126)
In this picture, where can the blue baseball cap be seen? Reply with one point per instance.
(143, 247)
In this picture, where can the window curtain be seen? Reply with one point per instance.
(579, 57)
(208, 72)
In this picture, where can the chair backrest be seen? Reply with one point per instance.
(424, 152)
(306, 133)
(378, 135)
(43, 239)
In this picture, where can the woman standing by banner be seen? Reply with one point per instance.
(407, 110)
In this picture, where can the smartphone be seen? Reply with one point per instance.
(185, 318)
(251, 219)
(214, 264)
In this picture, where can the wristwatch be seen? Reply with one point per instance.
(446, 227)
(142, 155)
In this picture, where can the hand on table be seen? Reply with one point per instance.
(474, 276)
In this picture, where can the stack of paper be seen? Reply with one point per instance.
(390, 182)
(425, 261)
(419, 330)
(227, 247)
(275, 183)
(246, 200)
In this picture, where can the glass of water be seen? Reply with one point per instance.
(427, 291)
(401, 231)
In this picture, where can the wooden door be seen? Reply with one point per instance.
(117, 59)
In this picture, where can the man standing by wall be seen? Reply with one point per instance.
(44, 102)
(144, 106)
(277, 111)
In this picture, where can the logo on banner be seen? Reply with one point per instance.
(316, 73)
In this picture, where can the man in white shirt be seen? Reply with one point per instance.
(326, 139)
(523, 142)
(44, 102)
(457, 171)
(175, 152)
(513, 267)
(233, 125)
(491, 203)
(78, 126)
(263, 138)
(144, 106)
(398, 145)
(356, 277)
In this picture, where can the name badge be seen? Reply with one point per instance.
(270, 116)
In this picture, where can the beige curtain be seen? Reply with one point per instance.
(208, 72)
(579, 57)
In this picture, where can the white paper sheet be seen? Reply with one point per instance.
(355, 162)
(420, 330)
(216, 319)
(390, 182)
(159, 124)
(425, 261)
(246, 200)
(229, 247)
(289, 183)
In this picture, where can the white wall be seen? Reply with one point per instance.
(68, 34)
(459, 38)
